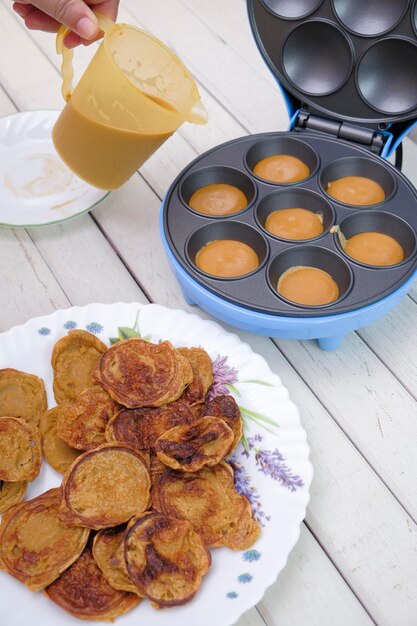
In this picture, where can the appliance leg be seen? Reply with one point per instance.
(328, 344)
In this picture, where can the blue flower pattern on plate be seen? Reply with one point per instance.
(94, 328)
(251, 555)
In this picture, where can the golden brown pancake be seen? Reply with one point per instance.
(74, 358)
(105, 487)
(226, 258)
(20, 450)
(375, 249)
(356, 190)
(82, 423)
(108, 552)
(11, 494)
(218, 199)
(189, 448)
(308, 285)
(35, 547)
(165, 558)
(202, 367)
(281, 168)
(294, 224)
(56, 451)
(22, 395)
(140, 428)
(208, 499)
(83, 591)
(226, 408)
(137, 373)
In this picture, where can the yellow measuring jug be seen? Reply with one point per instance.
(134, 94)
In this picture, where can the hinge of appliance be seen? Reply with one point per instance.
(363, 136)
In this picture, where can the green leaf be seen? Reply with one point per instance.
(113, 340)
(258, 382)
(233, 388)
(147, 337)
(127, 333)
(259, 416)
(245, 443)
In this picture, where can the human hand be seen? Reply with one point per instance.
(48, 15)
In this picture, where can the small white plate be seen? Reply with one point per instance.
(36, 187)
(275, 473)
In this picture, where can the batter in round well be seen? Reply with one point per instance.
(281, 168)
(374, 249)
(218, 199)
(308, 285)
(356, 190)
(294, 224)
(227, 258)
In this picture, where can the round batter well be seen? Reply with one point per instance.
(374, 249)
(218, 199)
(227, 258)
(356, 190)
(294, 224)
(308, 285)
(281, 168)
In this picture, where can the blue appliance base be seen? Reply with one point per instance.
(329, 330)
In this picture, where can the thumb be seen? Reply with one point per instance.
(73, 13)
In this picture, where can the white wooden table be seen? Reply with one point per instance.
(356, 561)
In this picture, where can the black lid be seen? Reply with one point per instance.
(350, 60)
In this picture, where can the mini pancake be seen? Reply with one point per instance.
(74, 358)
(20, 450)
(22, 395)
(294, 224)
(281, 168)
(227, 258)
(108, 553)
(165, 558)
(82, 423)
(208, 499)
(11, 494)
(226, 408)
(356, 191)
(140, 428)
(218, 199)
(56, 451)
(105, 487)
(137, 373)
(189, 448)
(376, 249)
(83, 591)
(35, 547)
(310, 286)
(202, 367)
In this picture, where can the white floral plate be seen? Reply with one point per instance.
(36, 187)
(274, 472)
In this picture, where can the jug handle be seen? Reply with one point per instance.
(67, 70)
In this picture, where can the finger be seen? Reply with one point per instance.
(22, 9)
(75, 14)
(37, 20)
(106, 7)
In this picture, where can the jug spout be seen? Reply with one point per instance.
(198, 114)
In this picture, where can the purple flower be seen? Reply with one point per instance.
(243, 486)
(223, 375)
(251, 555)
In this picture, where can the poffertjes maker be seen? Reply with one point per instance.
(348, 72)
